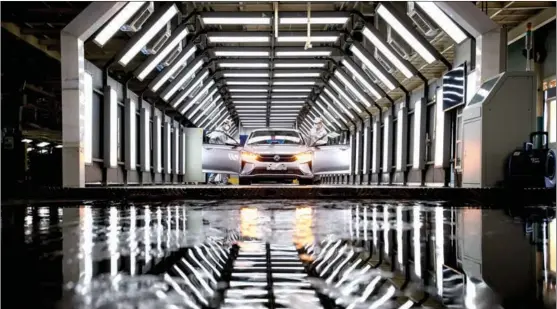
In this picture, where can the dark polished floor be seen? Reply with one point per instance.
(278, 254)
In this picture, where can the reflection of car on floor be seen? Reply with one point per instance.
(278, 155)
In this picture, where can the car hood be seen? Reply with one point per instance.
(276, 149)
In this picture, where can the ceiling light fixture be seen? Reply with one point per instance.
(353, 89)
(166, 74)
(146, 35)
(243, 65)
(337, 103)
(202, 104)
(237, 39)
(288, 102)
(248, 75)
(197, 97)
(345, 96)
(387, 52)
(147, 67)
(250, 102)
(250, 107)
(327, 112)
(190, 89)
(301, 74)
(300, 65)
(303, 39)
(234, 96)
(443, 21)
(247, 90)
(361, 79)
(286, 106)
(294, 83)
(313, 20)
(246, 83)
(374, 69)
(289, 96)
(117, 21)
(390, 18)
(167, 94)
(304, 53)
(236, 20)
(216, 107)
(245, 53)
(292, 90)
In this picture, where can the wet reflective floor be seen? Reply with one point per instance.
(278, 254)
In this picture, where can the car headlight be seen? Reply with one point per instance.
(249, 157)
(304, 157)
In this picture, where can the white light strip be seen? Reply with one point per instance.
(399, 141)
(298, 83)
(248, 75)
(247, 90)
(250, 107)
(249, 102)
(300, 65)
(416, 155)
(245, 53)
(216, 107)
(362, 80)
(387, 146)
(236, 20)
(248, 96)
(327, 113)
(113, 128)
(216, 111)
(242, 65)
(147, 141)
(352, 88)
(117, 21)
(165, 75)
(181, 82)
(303, 39)
(380, 45)
(313, 20)
(88, 121)
(292, 90)
(288, 102)
(338, 103)
(345, 96)
(148, 35)
(304, 53)
(366, 150)
(190, 89)
(298, 74)
(439, 129)
(405, 34)
(237, 39)
(286, 106)
(416, 227)
(443, 21)
(202, 104)
(357, 159)
(247, 83)
(375, 148)
(372, 67)
(331, 107)
(161, 54)
(291, 96)
(133, 133)
(198, 96)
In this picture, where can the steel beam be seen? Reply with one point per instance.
(544, 17)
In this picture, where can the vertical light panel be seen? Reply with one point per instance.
(88, 121)
(176, 149)
(387, 142)
(366, 149)
(131, 134)
(440, 131)
(358, 157)
(182, 151)
(418, 161)
(144, 147)
(166, 140)
(376, 146)
(157, 159)
(110, 129)
(401, 139)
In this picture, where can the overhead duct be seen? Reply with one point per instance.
(161, 38)
(421, 20)
(139, 18)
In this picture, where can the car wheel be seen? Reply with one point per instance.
(244, 182)
(305, 182)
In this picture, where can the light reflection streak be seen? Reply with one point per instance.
(196, 275)
(399, 232)
(383, 299)
(203, 268)
(179, 290)
(439, 249)
(544, 246)
(248, 222)
(133, 240)
(113, 240)
(416, 224)
(348, 272)
(357, 221)
(339, 267)
(204, 257)
(338, 256)
(87, 242)
(147, 234)
(168, 227)
(350, 227)
(365, 224)
(159, 230)
(303, 233)
(177, 226)
(367, 292)
(386, 227)
(374, 226)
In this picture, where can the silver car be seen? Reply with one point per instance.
(278, 155)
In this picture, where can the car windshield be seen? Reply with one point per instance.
(275, 137)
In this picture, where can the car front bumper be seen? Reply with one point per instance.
(288, 170)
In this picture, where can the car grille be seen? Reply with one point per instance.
(271, 158)
(263, 171)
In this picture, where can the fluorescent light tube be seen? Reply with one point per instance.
(211, 114)
(161, 54)
(250, 107)
(245, 53)
(43, 144)
(386, 51)
(348, 84)
(117, 21)
(303, 39)
(247, 83)
(301, 74)
(337, 102)
(345, 96)
(148, 35)
(200, 105)
(182, 95)
(290, 96)
(181, 82)
(247, 96)
(303, 53)
(294, 83)
(443, 21)
(327, 112)
(252, 118)
(372, 67)
(288, 102)
(405, 34)
(165, 75)
(236, 20)
(246, 75)
(88, 121)
(26, 140)
(293, 90)
(313, 20)
(361, 79)
(300, 65)
(249, 102)
(247, 90)
(204, 111)
(284, 110)
(237, 39)
(286, 106)
(198, 96)
(244, 65)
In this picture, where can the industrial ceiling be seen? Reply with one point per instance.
(252, 61)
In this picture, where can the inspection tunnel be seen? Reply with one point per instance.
(356, 154)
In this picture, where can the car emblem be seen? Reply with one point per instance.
(276, 158)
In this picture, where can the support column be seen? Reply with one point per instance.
(145, 144)
(401, 145)
(387, 146)
(376, 151)
(73, 86)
